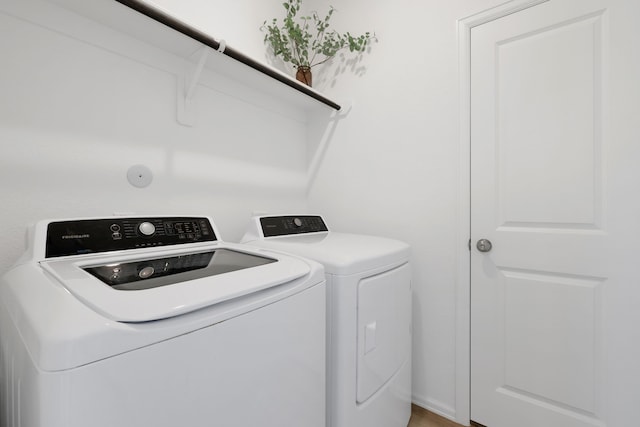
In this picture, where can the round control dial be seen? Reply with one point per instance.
(147, 228)
(297, 222)
(146, 272)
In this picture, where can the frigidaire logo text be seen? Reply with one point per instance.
(76, 236)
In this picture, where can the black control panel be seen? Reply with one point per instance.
(137, 275)
(114, 234)
(156, 272)
(285, 225)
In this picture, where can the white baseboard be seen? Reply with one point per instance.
(435, 406)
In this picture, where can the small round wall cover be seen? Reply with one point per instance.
(139, 176)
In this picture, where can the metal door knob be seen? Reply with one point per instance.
(484, 245)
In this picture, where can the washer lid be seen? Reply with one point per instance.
(152, 285)
(341, 253)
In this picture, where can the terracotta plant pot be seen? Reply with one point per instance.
(304, 75)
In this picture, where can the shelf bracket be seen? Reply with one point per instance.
(319, 153)
(186, 113)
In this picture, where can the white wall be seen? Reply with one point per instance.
(80, 104)
(82, 114)
(391, 167)
(75, 115)
(237, 22)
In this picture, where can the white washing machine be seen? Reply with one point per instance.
(154, 321)
(368, 316)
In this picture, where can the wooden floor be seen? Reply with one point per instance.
(422, 418)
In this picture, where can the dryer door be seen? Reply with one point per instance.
(384, 328)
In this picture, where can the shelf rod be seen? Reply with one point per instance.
(205, 39)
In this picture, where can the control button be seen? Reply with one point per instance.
(115, 228)
(146, 272)
(297, 222)
(147, 228)
(116, 236)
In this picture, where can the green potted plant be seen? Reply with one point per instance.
(307, 41)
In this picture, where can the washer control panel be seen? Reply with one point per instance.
(77, 237)
(285, 225)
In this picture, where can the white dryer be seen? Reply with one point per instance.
(154, 321)
(368, 316)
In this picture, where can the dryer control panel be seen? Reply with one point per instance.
(77, 237)
(286, 225)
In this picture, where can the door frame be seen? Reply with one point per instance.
(463, 252)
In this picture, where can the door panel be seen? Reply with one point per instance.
(550, 321)
(384, 340)
(547, 95)
(536, 193)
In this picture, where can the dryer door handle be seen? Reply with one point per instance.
(369, 337)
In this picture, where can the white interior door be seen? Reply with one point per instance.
(537, 179)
